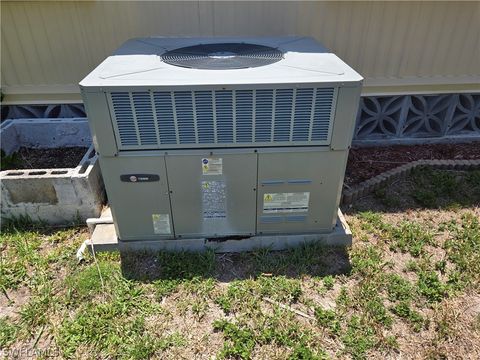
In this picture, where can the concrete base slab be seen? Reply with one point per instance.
(104, 238)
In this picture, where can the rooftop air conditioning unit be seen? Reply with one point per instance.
(221, 138)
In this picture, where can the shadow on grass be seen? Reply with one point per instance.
(424, 188)
(306, 260)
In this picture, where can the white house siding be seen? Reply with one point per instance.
(399, 47)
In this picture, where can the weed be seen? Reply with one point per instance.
(410, 237)
(328, 282)
(343, 300)
(12, 273)
(390, 342)
(430, 286)
(199, 308)
(403, 310)
(200, 287)
(280, 288)
(370, 301)
(366, 260)
(241, 341)
(133, 343)
(165, 287)
(8, 332)
(282, 329)
(173, 340)
(441, 266)
(463, 248)
(412, 266)
(328, 319)
(398, 288)
(372, 221)
(358, 338)
(302, 352)
(239, 295)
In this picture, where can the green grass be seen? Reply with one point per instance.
(463, 248)
(359, 337)
(440, 188)
(8, 332)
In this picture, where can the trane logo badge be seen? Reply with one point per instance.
(133, 178)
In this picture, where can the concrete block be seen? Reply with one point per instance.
(56, 196)
(347, 197)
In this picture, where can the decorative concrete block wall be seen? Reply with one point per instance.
(381, 120)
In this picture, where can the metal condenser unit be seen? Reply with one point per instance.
(222, 138)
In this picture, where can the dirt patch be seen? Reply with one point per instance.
(11, 302)
(56, 158)
(367, 162)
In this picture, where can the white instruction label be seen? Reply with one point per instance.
(161, 223)
(285, 202)
(214, 194)
(212, 166)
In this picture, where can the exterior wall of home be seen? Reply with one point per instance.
(399, 47)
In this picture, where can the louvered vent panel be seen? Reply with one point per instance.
(216, 118)
(283, 114)
(205, 119)
(122, 108)
(165, 117)
(263, 115)
(322, 114)
(185, 119)
(147, 128)
(224, 115)
(303, 113)
(244, 115)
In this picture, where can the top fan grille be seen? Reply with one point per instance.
(222, 56)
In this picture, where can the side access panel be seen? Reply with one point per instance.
(213, 194)
(299, 192)
(138, 195)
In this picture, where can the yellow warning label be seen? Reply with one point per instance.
(267, 197)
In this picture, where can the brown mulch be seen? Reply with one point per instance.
(367, 162)
(55, 158)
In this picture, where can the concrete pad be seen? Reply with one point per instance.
(104, 238)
